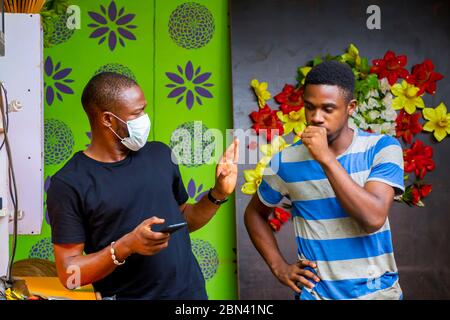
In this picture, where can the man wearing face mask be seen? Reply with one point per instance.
(105, 204)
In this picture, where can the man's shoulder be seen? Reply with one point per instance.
(368, 141)
(69, 168)
(67, 176)
(296, 152)
(157, 150)
(157, 146)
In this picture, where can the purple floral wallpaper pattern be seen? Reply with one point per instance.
(113, 24)
(56, 81)
(189, 85)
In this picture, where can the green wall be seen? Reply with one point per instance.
(157, 40)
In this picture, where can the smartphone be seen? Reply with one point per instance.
(172, 228)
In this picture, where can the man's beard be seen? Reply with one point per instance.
(335, 135)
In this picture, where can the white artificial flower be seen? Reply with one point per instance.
(392, 131)
(352, 124)
(358, 118)
(384, 85)
(387, 100)
(375, 128)
(390, 114)
(363, 125)
(373, 93)
(372, 103)
(362, 107)
(374, 114)
(387, 128)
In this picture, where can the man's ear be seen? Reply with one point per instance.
(351, 107)
(105, 118)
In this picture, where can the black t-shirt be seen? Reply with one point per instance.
(96, 203)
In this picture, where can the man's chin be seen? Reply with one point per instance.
(331, 137)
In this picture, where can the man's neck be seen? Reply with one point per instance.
(106, 151)
(340, 144)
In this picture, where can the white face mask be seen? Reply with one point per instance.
(138, 129)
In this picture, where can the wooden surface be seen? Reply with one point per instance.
(51, 287)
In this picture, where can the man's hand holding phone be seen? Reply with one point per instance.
(172, 228)
(143, 240)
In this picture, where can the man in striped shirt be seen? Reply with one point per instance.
(341, 183)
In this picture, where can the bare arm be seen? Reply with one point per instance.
(368, 205)
(199, 214)
(95, 266)
(255, 219)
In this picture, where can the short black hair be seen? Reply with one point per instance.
(333, 73)
(103, 91)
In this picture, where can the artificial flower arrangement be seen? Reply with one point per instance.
(390, 101)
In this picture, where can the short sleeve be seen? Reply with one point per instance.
(387, 165)
(272, 188)
(64, 213)
(178, 189)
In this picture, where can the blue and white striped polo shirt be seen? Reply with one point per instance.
(351, 263)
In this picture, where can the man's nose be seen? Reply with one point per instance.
(316, 118)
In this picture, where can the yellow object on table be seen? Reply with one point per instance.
(51, 287)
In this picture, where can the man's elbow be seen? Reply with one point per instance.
(63, 279)
(374, 225)
(70, 277)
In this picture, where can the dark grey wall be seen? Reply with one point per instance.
(270, 39)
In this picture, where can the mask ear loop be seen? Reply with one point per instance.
(121, 139)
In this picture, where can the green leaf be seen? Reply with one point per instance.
(365, 68)
(372, 81)
(300, 75)
(317, 60)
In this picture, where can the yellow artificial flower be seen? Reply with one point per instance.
(439, 121)
(351, 55)
(261, 92)
(277, 144)
(253, 179)
(295, 120)
(304, 71)
(406, 97)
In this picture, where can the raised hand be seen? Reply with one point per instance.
(226, 171)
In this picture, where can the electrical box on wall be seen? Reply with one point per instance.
(2, 28)
(21, 71)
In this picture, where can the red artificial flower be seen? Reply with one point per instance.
(419, 192)
(424, 77)
(275, 224)
(425, 190)
(418, 158)
(407, 125)
(266, 119)
(391, 67)
(415, 196)
(290, 99)
(282, 215)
